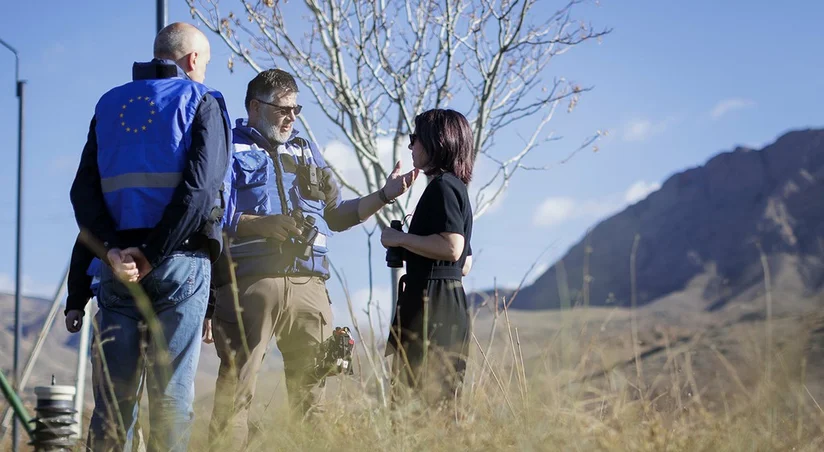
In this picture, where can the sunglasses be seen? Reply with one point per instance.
(284, 110)
(412, 138)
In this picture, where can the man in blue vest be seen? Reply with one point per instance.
(149, 187)
(281, 190)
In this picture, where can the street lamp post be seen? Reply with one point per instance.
(162, 14)
(18, 276)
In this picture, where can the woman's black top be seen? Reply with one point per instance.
(443, 207)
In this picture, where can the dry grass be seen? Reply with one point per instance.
(579, 388)
(569, 381)
(665, 377)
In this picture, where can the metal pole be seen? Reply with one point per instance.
(44, 333)
(162, 14)
(16, 404)
(18, 284)
(82, 359)
(38, 347)
(18, 327)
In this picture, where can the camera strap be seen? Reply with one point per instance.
(275, 156)
(302, 144)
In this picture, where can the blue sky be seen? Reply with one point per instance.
(675, 83)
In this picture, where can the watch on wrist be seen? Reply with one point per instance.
(384, 198)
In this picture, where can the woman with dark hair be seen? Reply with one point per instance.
(432, 302)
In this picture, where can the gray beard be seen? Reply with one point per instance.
(276, 137)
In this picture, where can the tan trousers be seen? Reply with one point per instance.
(296, 311)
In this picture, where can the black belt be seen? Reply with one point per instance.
(437, 272)
(421, 275)
(444, 272)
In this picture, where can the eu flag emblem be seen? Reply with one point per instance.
(136, 115)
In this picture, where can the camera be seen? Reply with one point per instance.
(394, 254)
(310, 178)
(335, 354)
(302, 243)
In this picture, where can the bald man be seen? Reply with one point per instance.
(150, 189)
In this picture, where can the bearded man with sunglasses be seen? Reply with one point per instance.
(279, 180)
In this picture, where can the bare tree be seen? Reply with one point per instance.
(372, 65)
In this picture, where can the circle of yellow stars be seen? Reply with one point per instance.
(152, 110)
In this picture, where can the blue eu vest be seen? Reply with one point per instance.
(256, 188)
(143, 133)
(94, 271)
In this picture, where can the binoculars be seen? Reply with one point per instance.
(394, 254)
(302, 244)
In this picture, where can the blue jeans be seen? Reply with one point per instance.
(163, 346)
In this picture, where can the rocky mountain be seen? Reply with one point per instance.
(53, 359)
(708, 226)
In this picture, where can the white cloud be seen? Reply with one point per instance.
(381, 296)
(30, 287)
(642, 129)
(554, 210)
(638, 130)
(380, 308)
(728, 105)
(341, 156)
(639, 190)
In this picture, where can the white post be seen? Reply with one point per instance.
(35, 352)
(82, 360)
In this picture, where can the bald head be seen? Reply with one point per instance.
(179, 39)
(185, 45)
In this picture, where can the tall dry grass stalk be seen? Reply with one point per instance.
(606, 389)
(544, 413)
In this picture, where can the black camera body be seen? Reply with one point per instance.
(395, 254)
(309, 175)
(301, 245)
(335, 354)
(310, 178)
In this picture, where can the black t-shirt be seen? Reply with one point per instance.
(443, 207)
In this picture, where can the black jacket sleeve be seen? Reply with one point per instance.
(79, 283)
(86, 196)
(194, 198)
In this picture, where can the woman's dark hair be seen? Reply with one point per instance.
(447, 139)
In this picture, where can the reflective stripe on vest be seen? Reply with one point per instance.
(140, 180)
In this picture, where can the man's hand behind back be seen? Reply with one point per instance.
(123, 265)
(278, 227)
(207, 336)
(143, 265)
